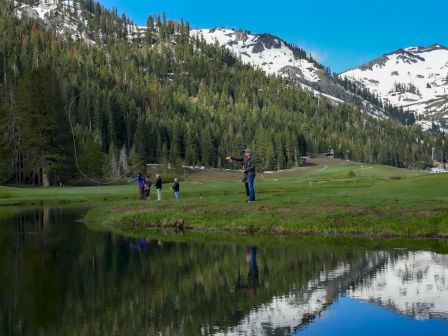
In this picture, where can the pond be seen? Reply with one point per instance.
(59, 277)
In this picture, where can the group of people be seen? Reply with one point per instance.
(249, 172)
(144, 187)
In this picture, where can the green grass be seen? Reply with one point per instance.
(47, 196)
(317, 199)
(379, 201)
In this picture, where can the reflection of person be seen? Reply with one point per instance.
(141, 244)
(249, 164)
(252, 277)
(141, 185)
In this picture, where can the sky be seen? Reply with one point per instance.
(339, 34)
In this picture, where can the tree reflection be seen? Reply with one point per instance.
(65, 279)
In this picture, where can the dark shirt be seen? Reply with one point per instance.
(249, 164)
(159, 183)
(176, 186)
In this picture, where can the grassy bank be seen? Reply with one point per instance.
(320, 199)
(50, 196)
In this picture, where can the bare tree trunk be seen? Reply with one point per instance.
(46, 218)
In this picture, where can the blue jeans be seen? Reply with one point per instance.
(250, 184)
(177, 195)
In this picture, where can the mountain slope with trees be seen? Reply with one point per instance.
(164, 97)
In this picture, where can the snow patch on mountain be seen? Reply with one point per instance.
(415, 78)
(264, 51)
(62, 16)
(67, 17)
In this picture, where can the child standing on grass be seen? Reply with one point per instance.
(176, 188)
(147, 188)
(159, 187)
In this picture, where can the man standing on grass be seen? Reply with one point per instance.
(249, 163)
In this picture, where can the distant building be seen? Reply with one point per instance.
(438, 170)
(329, 154)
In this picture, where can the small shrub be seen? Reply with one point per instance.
(5, 194)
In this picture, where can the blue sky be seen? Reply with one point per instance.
(340, 34)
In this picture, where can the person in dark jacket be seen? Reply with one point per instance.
(176, 188)
(159, 187)
(141, 185)
(249, 165)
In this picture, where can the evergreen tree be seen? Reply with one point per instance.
(38, 103)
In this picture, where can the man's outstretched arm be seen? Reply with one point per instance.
(230, 158)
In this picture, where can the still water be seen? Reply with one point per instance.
(58, 277)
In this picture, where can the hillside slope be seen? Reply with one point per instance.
(414, 78)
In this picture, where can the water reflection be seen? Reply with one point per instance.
(252, 276)
(58, 277)
(286, 313)
(414, 284)
(140, 244)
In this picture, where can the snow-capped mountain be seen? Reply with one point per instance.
(277, 57)
(69, 17)
(62, 16)
(268, 53)
(414, 78)
(264, 51)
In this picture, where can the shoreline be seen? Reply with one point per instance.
(134, 217)
(289, 234)
(385, 202)
(220, 236)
